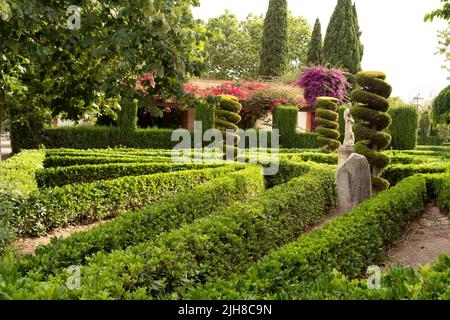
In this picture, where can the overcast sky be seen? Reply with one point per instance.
(396, 39)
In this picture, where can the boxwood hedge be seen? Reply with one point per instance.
(88, 202)
(399, 283)
(17, 181)
(60, 176)
(349, 243)
(211, 247)
(142, 225)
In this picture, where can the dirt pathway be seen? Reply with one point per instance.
(28, 245)
(424, 241)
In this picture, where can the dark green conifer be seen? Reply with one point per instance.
(274, 47)
(315, 46)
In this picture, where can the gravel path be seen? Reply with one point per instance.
(28, 245)
(424, 241)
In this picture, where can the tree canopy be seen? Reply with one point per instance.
(233, 46)
(74, 72)
(274, 44)
(315, 46)
(342, 46)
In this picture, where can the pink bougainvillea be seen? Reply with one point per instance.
(322, 81)
(265, 94)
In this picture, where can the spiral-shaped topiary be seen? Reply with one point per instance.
(370, 113)
(327, 118)
(227, 116)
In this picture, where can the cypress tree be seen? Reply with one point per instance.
(358, 29)
(274, 46)
(315, 46)
(342, 47)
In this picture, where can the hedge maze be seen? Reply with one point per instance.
(206, 231)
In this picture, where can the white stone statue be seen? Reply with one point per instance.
(349, 139)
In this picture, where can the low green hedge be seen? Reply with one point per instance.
(65, 161)
(396, 173)
(56, 207)
(349, 243)
(114, 152)
(142, 225)
(289, 169)
(399, 283)
(211, 247)
(439, 186)
(89, 137)
(60, 176)
(17, 181)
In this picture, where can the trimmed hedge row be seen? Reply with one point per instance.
(88, 137)
(56, 207)
(439, 186)
(396, 173)
(142, 225)
(399, 283)
(211, 247)
(349, 244)
(60, 176)
(17, 181)
(65, 161)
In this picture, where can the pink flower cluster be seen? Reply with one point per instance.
(247, 92)
(241, 90)
(298, 102)
(144, 83)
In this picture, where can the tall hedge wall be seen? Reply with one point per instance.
(285, 119)
(405, 127)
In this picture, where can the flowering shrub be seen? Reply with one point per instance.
(323, 82)
(254, 94)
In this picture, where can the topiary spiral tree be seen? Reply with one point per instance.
(227, 117)
(327, 118)
(370, 113)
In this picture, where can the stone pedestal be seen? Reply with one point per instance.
(344, 153)
(354, 182)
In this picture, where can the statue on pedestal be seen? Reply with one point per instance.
(349, 139)
(346, 149)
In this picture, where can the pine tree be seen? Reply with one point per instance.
(274, 47)
(342, 47)
(315, 46)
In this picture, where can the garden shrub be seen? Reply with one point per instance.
(285, 120)
(90, 137)
(399, 283)
(440, 110)
(440, 189)
(405, 127)
(88, 202)
(60, 176)
(327, 118)
(396, 173)
(205, 113)
(292, 168)
(135, 227)
(17, 182)
(349, 244)
(372, 118)
(66, 161)
(211, 247)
